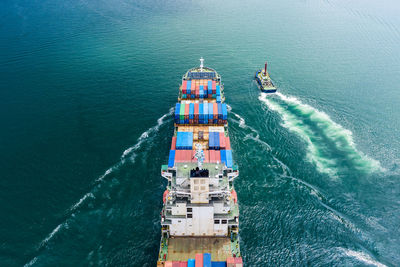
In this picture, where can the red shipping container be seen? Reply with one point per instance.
(215, 111)
(191, 121)
(214, 87)
(206, 156)
(222, 142)
(176, 264)
(196, 121)
(220, 121)
(187, 111)
(230, 262)
(184, 85)
(189, 155)
(192, 86)
(199, 260)
(168, 264)
(183, 264)
(197, 86)
(217, 156)
(179, 155)
(238, 259)
(211, 156)
(173, 144)
(197, 93)
(196, 111)
(227, 143)
(192, 158)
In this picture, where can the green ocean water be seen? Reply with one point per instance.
(86, 91)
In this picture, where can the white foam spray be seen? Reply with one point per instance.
(327, 129)
(362, 257)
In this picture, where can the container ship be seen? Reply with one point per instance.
(264, 81)
(200, 214)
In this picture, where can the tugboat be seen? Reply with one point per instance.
(264, 81)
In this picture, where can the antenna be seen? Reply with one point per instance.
(201, 63)
(266, 64)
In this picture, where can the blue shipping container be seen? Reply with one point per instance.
(218, 90)
(177, 110)
(201, 91)
(191, 263)
(206, 260)
(189, 140)
(211, 140)
(218, 264)
(223, 156)
(191, 111)
(210, 111)
(219, 111)
(201, 114)
(205, 113)
(184, 140)
(171, 160)
(229, 158)
(218, 99)
(209, 87)
(188, 85)
(216, 140)
(224, 112)
(179, 140)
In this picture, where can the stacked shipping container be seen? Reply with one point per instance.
(201, 113)
(204, 260)
(201, 89)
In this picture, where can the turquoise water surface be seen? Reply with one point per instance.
(87, 88)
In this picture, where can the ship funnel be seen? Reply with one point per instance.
(201, 63)
(266, 63)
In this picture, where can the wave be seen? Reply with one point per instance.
(323, 136)
(365, 258)
(145, 135)
(127, 152)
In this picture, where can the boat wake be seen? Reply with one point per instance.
(129, 153)
(362, 257)
(329, 146)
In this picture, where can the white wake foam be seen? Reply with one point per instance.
(296, 121)
(361, 256)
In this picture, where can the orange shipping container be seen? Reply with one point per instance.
(227, 143)
(173, 144)
(215, 111)
(199, 260)
(222, 142)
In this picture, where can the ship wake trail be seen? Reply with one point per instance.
(329, 146)
(362, 257)
(128, 154)
(254, 135)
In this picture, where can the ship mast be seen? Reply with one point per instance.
(201, 63)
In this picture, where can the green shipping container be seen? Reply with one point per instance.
(182, 112)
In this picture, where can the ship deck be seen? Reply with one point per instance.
(183, 248)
